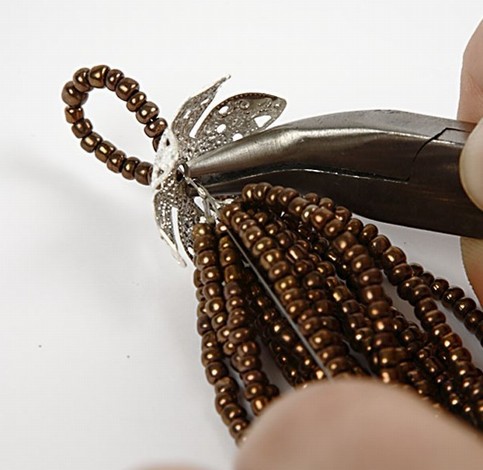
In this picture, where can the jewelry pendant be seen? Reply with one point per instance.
(284, 277)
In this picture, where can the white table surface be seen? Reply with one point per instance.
(99, 355)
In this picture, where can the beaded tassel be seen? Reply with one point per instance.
(326, 268)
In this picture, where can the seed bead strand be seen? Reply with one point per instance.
(207, 280)
(75, 94)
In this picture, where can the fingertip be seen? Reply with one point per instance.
(471, 166)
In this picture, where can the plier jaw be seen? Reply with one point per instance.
(392, 166)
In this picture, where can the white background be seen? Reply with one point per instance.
(99, 357)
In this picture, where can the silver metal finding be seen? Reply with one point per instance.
(175, 206)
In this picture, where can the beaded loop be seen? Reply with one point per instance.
(75, 94)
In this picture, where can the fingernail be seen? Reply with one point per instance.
(471, 166)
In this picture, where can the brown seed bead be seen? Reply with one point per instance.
(418, 293)
(259, 404)
(229, 348)
(244, 364)
(237, 428)
(270, 257)
(362, 263)
(378, 309)
(251, 235)
(473, 319)
(261, 190)
(211, 355)
(143, 173)
(126, 87)
(231, 412)
(233, 272)
(368, 233)
(72, 115)
(424, 306)
(248, 192)
(129, 167)
(379, 245)
(202, 229)
(262, 245)
(370, 276)
(116, 160)
(146, 112)
(103, 150)
(297, 206)
(210, 274)
(460, 354)
(232, 289)
(405, 288)
(206, 258)
(215, 371)
(451, 296)
(136, 101)
(72, 96)
(82, 128)
(234, 302)
(343, 242)
(240, 335)
(254, 376)
(463, 306)
(479, 333)
(392, 257)
(197, 279)
(440, 330)
(427, 278)
(219, 320)
(112, 79)
(226, 385)
(286, 195)
(323, 338)
(98, 75)
(222, 400)
(451, 341)
(91, 141)
(214, 306)
(287, 282)
(273, 195)
(250, 348)
(203, 242)
(439, 287)
(155, 128)
(228, 256)
(81, 81)
(320, 217)
(203, 324)
(254, 390)
(354, 226)
(278, 270)
(208, 340)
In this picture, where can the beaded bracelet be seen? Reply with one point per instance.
(293, 275)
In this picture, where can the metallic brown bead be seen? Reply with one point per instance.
(91, 141)
(287, 282)
(82, 128)
(203, 242)
(273, 195)
(379, 245)
(231, 412)
(297, 206)
(147, 112)
(251, 235)
(112, 79)
(240, 335)
(72, 115)
(203, 324)
(263, 244)
(261, 190)
(451, 341)
(197, 278)
(473, 319)
(232, 289)
(440, 330)
(323, 338)
(361, 264)
(246, 363)
(210, 273)
(223, 399)
(214, 306)
(392, 257)
(206, 258)
(210, 355)
(72, 96)
(143, 173)
(370, 276)
(208, 340)
(219, 320)
(418, 293)
(116, 160)
(286, 195)
(155, 128)
(98, 75)
(259, 404)
(451, 296)
(270, 257)
(233, 272)
(80, 80)
(248, 192)
(136, 101)
(226, 385)
(278, 270)
(439, 287)
(126, 87)
(355, 226)
(432, 319)
(235, 302)
(424, 306)
(463, 306)
(460, 354)
(254, 376)
(320, 217)
(378, 309)
(215, 371)
(368, 233)
(405, 289)
(250, 348)
(237, 428)
(103, 150)
(129, 167)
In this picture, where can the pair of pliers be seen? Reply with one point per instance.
(392, 166)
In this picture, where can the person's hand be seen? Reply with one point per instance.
(360, 424)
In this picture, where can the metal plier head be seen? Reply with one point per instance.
(391, 166)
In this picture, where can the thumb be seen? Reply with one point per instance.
(471, 161)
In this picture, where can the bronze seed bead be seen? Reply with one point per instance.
(98, 75)
(261, 190)
(233, 272)
(262, 245)
(197, 278)
(215, 371)
(297, 206)
(223, 399)
(362, 263)
(439, 331)
(248, 192)
(129, 167)
(214, 306)
(286, 195)
(439, 287)
(113, 77)
(427, 278)
(392, 257)
(368, 233)
(237, 428)
(136, 101)
(126, 87)
(91, 141)
(270, 257)
(320, 217)
(210, 274)
(355, 226)
(451, 341)
(226, 385)
(379, 245)
(278, 270)
(219, 320)
(72, 96)
(312, 198)
(370, 276)
(405, 288)
(424, 306)
(259, 404)
(73, 114)
(451, 296)
(82, 128)
(232, 289)
(203, 324)
(432, 319)
(473, 319)
(343, 214)
(206, 258)
(202, 229)
(116, 160)
(203, 242)
(420, 292)
(155, 127)
(81, 81)
(234, 302)
(378, 309)
(208, 340)
(273, 195)
(231, 412)
(210, 355)
(463, 306)
(254, 376)
(240, 335)
(143, 173)
(327, 203)
(103, 150)
(146, 112)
